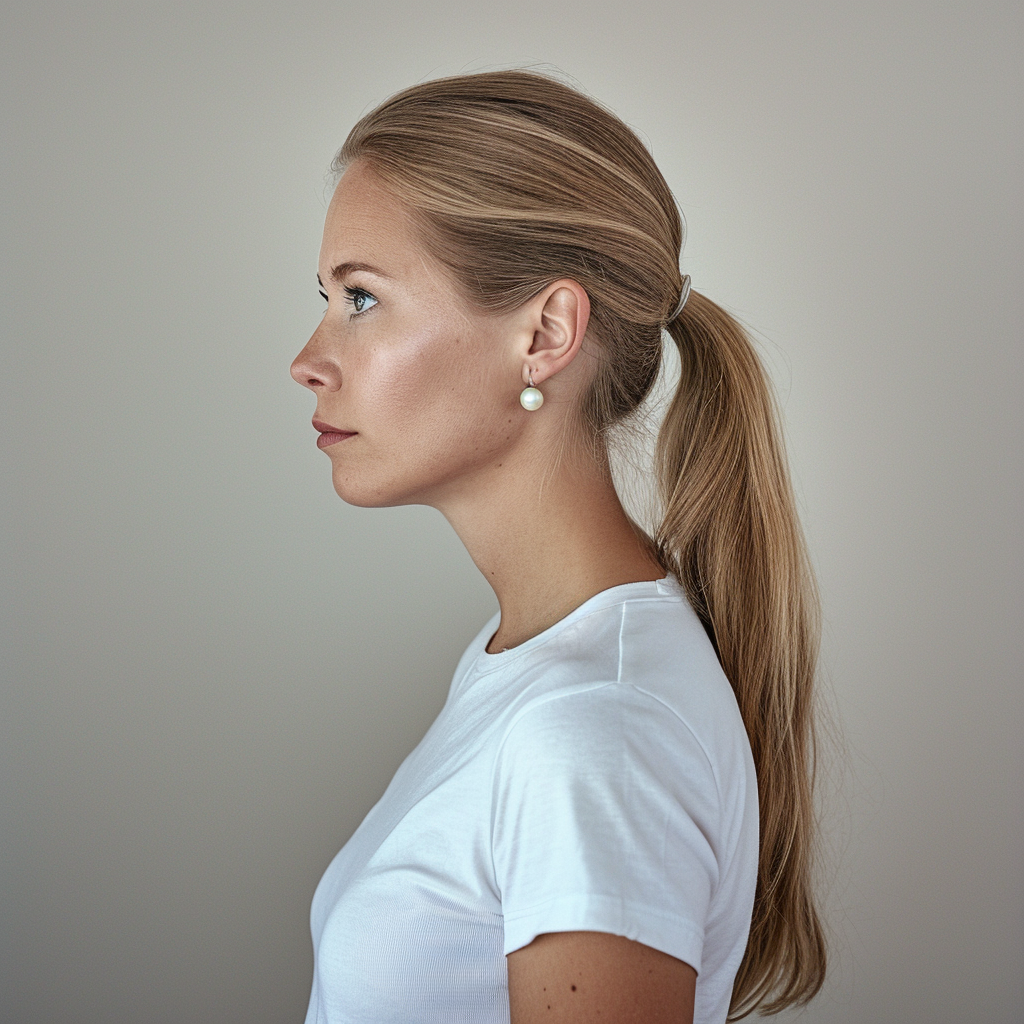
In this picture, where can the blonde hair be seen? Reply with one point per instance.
(516, 180)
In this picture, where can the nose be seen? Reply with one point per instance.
(314, 369)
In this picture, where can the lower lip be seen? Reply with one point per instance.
(329, 437)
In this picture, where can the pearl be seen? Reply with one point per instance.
(530, 399)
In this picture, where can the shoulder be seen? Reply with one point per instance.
(610, 741)
(633, 677)
(657, 726)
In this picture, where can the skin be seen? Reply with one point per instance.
(430, 385)
(582, 977)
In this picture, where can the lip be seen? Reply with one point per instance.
(330, 435)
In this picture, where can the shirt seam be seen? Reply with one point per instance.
(518, 651)
(572, 896)
(685, 925)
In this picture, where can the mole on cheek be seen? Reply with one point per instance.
(573, 987)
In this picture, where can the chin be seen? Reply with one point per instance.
(363, 494)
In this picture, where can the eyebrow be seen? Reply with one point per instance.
(342, 270)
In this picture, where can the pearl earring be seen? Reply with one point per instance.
(530, 398)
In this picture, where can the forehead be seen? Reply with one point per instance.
(366, 224)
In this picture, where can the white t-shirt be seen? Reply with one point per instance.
(595, 778)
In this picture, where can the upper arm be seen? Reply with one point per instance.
(577, 977)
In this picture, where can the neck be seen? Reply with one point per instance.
(547, 541)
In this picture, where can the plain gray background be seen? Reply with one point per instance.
(212, 667)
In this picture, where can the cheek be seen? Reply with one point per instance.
(401, 387)
(441, 398)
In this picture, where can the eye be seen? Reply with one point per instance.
(361, 300)
(324, 294)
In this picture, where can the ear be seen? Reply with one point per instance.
(559, 315)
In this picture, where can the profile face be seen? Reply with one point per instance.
(416, 392)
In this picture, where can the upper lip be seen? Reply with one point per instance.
(326, 428)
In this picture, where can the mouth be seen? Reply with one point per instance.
(330, 435)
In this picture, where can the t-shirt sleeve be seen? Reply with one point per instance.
(606, 814)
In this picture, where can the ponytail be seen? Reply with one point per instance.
(731, 536)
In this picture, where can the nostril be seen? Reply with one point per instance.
(302, 375)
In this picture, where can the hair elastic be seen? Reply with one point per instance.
(684, 294)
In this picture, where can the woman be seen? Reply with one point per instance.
(611, 817)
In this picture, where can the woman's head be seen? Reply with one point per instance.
(417, 387)
(514, 181)
(506, 198)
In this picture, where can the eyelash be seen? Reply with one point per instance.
(353, 294)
